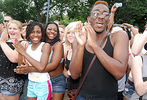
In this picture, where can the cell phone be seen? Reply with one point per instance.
(118, 5)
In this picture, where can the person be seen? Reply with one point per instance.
(136, 48)
(36, 54)
(69, 39)
(23, 32)
(111, 56)
(61, 29)
(11, 84)
(57, 22)
(55, 64)
(1, 29)
(6, 20)
(139, 72)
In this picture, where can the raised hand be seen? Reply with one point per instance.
(114, 8)
(80, 34)
(19, 47)
(91, 35)
(4, 36)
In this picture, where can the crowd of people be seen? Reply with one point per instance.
(45, 62)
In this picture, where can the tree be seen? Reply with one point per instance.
(132, 11)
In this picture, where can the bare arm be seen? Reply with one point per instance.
(139, 42)
(40, 66)
(78, 46)
(56, 57)
(111, 18)
(117, 64)
(11, 54)
(140, 86)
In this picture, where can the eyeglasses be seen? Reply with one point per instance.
(97, 14)
(6, 21)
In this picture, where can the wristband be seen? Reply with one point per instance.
(130, 26)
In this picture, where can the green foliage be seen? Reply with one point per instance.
(132, 11)
(1, 18)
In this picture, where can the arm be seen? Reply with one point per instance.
(40, 66)
(56, 57)
(78, 46)
(12, 55)
(140, 86)
(117, 64)
(139, 42)
(111, 18)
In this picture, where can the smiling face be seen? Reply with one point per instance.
(70, 37)
(36, 35)
(99, 18)
(14, 31)
(51, 31)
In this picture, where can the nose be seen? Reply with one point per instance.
(101, 16)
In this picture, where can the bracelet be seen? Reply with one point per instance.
(130, 26)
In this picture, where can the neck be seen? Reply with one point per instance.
(101, 36)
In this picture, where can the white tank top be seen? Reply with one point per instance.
(36, 54)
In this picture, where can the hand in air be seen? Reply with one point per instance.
(19, 47)
(91, 35)
(80, 33)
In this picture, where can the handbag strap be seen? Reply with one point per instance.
(78, 90)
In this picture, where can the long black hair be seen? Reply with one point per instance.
(57, 38)
(30, 28)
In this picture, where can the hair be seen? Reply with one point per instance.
(18, 23)
(69, 28)
(30, 28)
(24, 24)
(57, 38)
(61, 26)
(101, 2)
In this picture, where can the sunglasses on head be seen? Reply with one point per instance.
(6, 20)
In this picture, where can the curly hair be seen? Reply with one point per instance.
(30, 28)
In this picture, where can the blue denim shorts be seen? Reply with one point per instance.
(129, 89)
(41, 90)
(58, 84)
(7, 93)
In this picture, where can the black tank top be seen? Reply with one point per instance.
(99, 83)
(70, 84)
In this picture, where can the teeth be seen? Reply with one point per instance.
(35, 39)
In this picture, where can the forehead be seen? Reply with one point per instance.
(100, 7)
(37, 27)
(52, 25)
(7, 18)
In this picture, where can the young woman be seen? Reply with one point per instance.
(36, 54)
(10, 83)
(69, 39)
(55, 64)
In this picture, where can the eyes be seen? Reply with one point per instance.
(97, 14)
(51, 29)
(38, 32)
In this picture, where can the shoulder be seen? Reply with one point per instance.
(58, 44)
(45, 45)
(119, 36)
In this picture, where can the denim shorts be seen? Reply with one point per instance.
(41, 90)
(58, 84)
(7, 93)
(129, 89)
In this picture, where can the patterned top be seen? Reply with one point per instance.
(9, 80)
